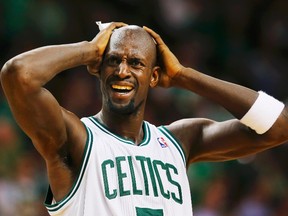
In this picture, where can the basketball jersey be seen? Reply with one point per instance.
(120, 178)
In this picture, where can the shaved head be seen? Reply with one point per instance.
(129, 70)
(136, 37)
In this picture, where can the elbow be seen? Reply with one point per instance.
(277, 138)
(277, 134)
(270, 139)
(15, 74)
(11, 67)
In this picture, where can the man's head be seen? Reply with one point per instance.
(138, 38)
(129, 68)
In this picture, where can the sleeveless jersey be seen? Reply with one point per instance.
(120, 178)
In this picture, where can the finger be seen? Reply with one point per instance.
(114, 25)
(103, 36)
(156, 36)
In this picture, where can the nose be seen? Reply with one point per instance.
(123, 71)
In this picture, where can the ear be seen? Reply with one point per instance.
(94, 70)
(154, 76)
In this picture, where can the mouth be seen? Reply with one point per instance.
(121, 88)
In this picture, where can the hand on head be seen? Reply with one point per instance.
(99, 44)
(170, 66)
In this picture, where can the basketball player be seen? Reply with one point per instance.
(115, 163)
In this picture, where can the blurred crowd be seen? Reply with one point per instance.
(244, 41)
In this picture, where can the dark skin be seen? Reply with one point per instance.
(126, 67)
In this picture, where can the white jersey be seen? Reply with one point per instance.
(120, 178)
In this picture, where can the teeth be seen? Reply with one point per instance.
(122, 87)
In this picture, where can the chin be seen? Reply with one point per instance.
(126, 109)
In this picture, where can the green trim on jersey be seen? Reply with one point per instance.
(56, 206)
(171, 137)
(146, 132)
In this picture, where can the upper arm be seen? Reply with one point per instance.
(207, 140)
(36, 111)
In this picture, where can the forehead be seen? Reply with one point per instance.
(133, 41)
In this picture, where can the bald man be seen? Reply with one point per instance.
(115, 163)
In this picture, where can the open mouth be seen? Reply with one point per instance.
(122, 88)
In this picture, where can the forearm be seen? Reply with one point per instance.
(235, 98)
(35, 68)
(232, 138)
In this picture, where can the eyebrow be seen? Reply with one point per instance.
(131, 56)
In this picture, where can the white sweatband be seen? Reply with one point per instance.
(263, 113)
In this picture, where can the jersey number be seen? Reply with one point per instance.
(148, 212)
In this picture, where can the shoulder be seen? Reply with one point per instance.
(194, 126)
(189, 132)
(198, 138)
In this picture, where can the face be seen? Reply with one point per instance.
(128, 70)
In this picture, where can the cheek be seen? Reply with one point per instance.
(102, 81)
(104, 73)
(144, 84)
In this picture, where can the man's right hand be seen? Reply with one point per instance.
(99, 44)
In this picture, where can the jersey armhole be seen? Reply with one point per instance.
(49, 201)
(175, 142)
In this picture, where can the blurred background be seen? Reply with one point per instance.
(243, 41)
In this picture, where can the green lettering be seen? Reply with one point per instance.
(160, 183)
(178, 199)
(142, 160)
(152, 176)
(105, 179)
(121, 176)
(134, 185)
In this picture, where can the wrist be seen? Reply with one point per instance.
(90, 55)
(182, 77)
(176, 74)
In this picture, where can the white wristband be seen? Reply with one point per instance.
(263, 113)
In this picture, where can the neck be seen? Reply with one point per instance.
(126, 126)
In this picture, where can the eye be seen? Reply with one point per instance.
(113, 61)
(136, 63)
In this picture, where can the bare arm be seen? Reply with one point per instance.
(57, 134)
(210, 140)
(34, 108)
